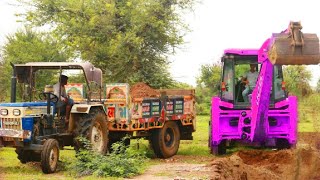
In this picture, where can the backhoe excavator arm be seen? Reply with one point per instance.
(291, 47)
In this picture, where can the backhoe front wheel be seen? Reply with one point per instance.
(166, 141)
(50, 156)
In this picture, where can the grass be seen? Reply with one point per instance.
(11, 167)
(199, 145)
(309, 114)
(306, 127)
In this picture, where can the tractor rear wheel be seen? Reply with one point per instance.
(165, 141)
(93, 127)
(50, 156)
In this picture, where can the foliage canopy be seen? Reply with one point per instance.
(128, 39)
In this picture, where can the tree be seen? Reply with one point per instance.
(207, 86)
(28, 46)
(129, 39)
(297, 80)
(210, 77)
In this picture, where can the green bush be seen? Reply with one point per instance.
(121, 162)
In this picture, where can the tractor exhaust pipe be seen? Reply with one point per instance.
(13, 84)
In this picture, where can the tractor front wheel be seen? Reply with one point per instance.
(50, 156)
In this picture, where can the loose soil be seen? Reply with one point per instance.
(140, 90)
(302, 162)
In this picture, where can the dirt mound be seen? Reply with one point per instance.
(300, 163)
(262, 157)
(141, 89)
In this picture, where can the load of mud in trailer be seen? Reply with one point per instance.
(255, 109)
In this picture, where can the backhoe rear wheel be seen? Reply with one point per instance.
(219, 149)
(165, 141)
(93, 127)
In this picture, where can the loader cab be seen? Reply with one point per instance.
(235, 88)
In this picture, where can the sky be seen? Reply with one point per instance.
(215, 26)
(219, 25)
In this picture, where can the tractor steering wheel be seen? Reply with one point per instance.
(43, 96)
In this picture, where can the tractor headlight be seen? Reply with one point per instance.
(4, 112)
(16, 112)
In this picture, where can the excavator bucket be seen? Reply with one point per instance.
(294, 48)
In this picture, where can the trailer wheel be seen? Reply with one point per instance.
(50, 156)
(94, 127)
(220, 149)
(166, 141)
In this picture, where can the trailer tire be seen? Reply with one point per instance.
(219, 149)
(165, 141)
(94, 127)
(50, 156)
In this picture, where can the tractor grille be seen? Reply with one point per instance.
(11, 123)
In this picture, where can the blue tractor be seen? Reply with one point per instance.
(36, 127)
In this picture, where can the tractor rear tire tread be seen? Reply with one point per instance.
(84, 125)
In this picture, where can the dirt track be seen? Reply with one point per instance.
(303, 162)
